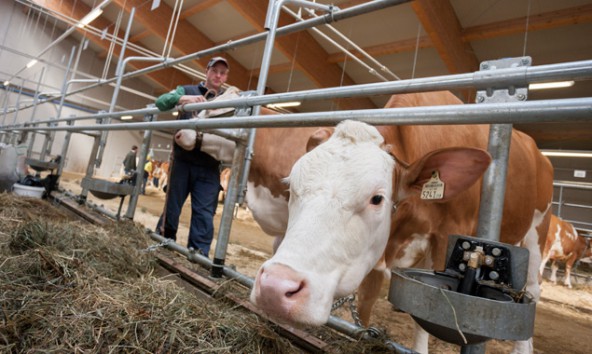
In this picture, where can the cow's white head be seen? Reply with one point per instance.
(339, 221)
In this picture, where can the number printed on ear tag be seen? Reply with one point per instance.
(433, 189)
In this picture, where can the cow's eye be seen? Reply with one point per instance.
(376, 200)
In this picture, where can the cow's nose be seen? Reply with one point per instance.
(280, 288)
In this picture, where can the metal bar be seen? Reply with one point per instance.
(560, 200)
(578, 206)
(238, 162)
(570, 184)
(90, 168)
(49, 138)
(329, 18)
(543, 111)
(119, 73)
(512, 76)
(493, 188)
(135, 196)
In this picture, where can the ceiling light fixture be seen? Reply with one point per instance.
(31, 63)
(6, 83)
(284, 104)
(566, 153)
(90, 17)
(126, 117)
(175, 114)
(550, 85)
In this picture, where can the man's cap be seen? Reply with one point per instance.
(215, 60)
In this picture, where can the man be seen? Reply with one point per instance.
(129, 162)
(193, 172)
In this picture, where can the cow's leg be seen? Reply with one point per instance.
(368, 293)
(533, 286)
(544, 263)
(420, 340)
(554, 267)
(568, 266)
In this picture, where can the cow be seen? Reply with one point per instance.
(340, 234)
(164, 175)
(563, 244)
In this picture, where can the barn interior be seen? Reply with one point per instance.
(69, 59)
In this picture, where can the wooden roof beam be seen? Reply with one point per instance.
(543, 21)
(442, 26)
(165, 78)
(310, 56)
(188, 39)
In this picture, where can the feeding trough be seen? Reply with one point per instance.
(482, 302)
(41, 166)
(103, 189)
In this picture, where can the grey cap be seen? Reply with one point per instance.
(215, 60)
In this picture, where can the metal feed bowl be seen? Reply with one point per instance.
(105, 189)
(430, 298)
(41, 166)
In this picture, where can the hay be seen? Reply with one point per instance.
(70, 287)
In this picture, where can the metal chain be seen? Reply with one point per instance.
(352, 307)
(156, 246)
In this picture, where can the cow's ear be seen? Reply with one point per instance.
(457, 168)
(318, 137)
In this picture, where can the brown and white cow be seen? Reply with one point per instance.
(565, 245)
(340, 234)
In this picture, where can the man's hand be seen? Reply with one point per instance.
(186, 99)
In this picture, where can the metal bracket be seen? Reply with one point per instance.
(246, 110)
(503, 94)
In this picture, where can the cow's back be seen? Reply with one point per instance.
(529, 182)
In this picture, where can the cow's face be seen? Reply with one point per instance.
(339, 220)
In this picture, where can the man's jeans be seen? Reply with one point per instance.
(203, 184)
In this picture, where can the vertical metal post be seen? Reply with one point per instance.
(119, 73)
(65, 148)
(493, 189)
(48, 143)
(131, 208)
(228, 211)
(271, 22)
(16, 110)
(5, 111)
(560, 202)
(230, 201)
(90, 168)
(34, 111)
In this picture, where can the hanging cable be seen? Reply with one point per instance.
(112, 44)
(358, 48)
(293, 62)
(170, 36)
(175, 29)
(415, 55)
(348, 53)
(526, 28)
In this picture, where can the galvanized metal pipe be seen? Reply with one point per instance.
(543, 111)
(493, 188)
(222, 241)
(49, 138)
(119, 73)
(570, 184)
(133, 202)
(329, 18)
(578, 70)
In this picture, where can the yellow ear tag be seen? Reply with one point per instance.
(433, 189)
